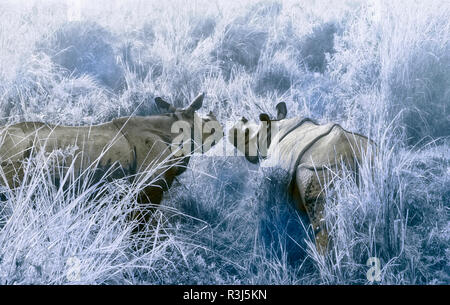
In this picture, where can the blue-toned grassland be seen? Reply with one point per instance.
(380, 68)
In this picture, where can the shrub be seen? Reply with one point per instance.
(417, 69)
(275, 73)
(262, 10)
(420, 84)
(86, 48)
(139, 59)
(240, 47)
(43, 92)
(201, 28)
(315, 47)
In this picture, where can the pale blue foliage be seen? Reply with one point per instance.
(226, 221)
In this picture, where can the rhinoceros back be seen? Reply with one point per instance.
(101, 145)
(287, 152)
(314, 146)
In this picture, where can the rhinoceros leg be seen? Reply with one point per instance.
(148, 197)
(310, 184)
(152, 195)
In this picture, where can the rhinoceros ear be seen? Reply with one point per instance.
(196, 104)
(164, 105)
(264, 117)
(281, 110)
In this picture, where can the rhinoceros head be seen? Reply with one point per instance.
(253, 139)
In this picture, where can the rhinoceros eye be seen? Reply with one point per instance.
(244, 120)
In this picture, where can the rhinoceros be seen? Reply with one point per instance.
(127, 147)
(311, 153)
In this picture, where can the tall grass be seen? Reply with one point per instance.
(375, 67)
